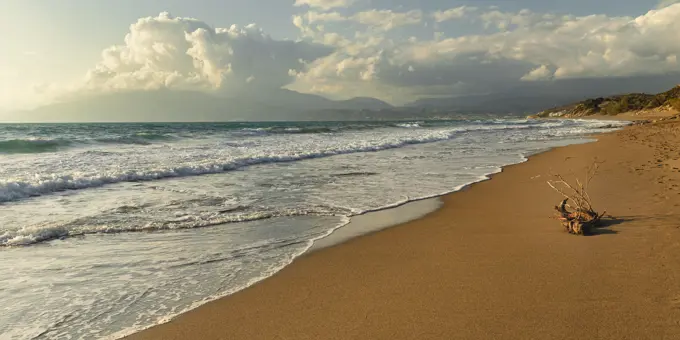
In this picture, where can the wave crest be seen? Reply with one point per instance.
(38, 145)
(19, 189)
(14, 146)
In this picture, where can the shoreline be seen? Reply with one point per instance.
(375, 221)
(366, 223)
(222, 310)
(411, 210)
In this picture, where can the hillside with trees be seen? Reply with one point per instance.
(614, 105)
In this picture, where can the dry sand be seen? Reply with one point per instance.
(490, 264)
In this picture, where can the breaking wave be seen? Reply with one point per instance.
(37, 145)
(14, 146)
(14, 190)
(19, 189)
(138, 139)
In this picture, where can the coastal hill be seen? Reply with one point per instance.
(614, 105)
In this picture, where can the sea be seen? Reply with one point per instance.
(106, 229)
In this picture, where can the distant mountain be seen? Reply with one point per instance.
(365, 103)
(136, 106)
(505, 103)
(617, 104)
(168, 106)
(282, 104)
(532, 97)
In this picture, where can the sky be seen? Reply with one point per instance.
(394, 50)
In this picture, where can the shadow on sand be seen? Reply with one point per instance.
(606, 223)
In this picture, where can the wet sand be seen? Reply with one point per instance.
(490, 263)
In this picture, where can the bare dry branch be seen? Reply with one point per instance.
(583, 218)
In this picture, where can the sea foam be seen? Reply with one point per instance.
(55, 182)
(120, 249)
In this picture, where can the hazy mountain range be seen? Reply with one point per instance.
(167, 105)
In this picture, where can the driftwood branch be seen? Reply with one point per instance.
(582, 219)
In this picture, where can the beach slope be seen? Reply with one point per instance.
(490, 264)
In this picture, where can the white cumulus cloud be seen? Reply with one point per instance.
(185, 53)
(539, 73)
(376, 19)
(519, 46)
(387, 19)
(453, 13)
(325, 4)
(362, 53)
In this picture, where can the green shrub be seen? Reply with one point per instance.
(612, 108)
(654, 103)
(674, 103)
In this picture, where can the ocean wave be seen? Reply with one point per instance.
(35, 234)
(136, 139)
(14, 146)
(263, 246)
(39, 145)
(304, 130)
(273, 130)
(409, 125)
(338, 128)
(14, 190)
(20, 189)
(42, 144)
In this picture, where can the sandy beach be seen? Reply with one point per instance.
(490, 263)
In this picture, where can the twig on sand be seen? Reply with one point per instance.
(583, 218)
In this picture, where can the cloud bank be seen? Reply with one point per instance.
(374, 53)
(325, 4)
(517, 47)
(184, 53)
(453, 13)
